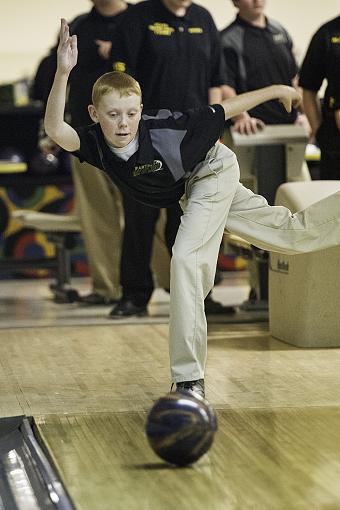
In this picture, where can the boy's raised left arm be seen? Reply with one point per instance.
(55, 126)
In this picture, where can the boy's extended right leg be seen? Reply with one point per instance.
(275, 228)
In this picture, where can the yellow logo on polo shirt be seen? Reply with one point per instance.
(161, 29)
(119, 66)
(335, 39)
(195, 30)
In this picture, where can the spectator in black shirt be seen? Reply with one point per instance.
(157, 156)
(322, 61)
(257, 52)
(172, 48)
(97, 201)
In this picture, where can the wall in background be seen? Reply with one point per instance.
(29, 28)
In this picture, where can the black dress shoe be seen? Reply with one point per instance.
(127, 309)
(215, 308)
(95, 299)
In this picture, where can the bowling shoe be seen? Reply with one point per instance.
(194, 387)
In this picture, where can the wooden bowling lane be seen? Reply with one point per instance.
(122, 368)
(278, 445)
(279, 459)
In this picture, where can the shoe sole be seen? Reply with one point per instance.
(85, 303)
(115, 317)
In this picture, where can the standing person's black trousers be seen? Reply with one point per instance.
(328, 138)
(140, 223)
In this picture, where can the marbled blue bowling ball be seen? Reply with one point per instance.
(180, 428)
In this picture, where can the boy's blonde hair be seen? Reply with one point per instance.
(122, 83)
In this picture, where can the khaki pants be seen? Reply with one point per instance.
(214, 201)
(98, 205)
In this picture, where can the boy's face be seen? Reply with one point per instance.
(118, 117)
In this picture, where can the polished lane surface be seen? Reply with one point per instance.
(261, 459)
(90, 386)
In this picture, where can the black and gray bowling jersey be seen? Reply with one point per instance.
(171, 144)
(256, 57)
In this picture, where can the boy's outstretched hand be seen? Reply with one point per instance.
(289, 97)
(67, 49)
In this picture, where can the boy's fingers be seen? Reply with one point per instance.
(285, 104)
(288, 105)
(64, 24)
(64, 31)
(260, 124)
(74, 42)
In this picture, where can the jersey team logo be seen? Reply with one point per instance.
(279, 38)
(119, 66)
(148, 168)
(161, 29)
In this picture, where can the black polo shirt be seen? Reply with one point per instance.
(88, 27)
(258, 57)
(175, 59)
(171, 144)
(322, 61)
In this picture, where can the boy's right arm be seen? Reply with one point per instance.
(288, 96)
(242, 123)
(55, 126)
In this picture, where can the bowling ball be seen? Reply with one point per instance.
(180, 428)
